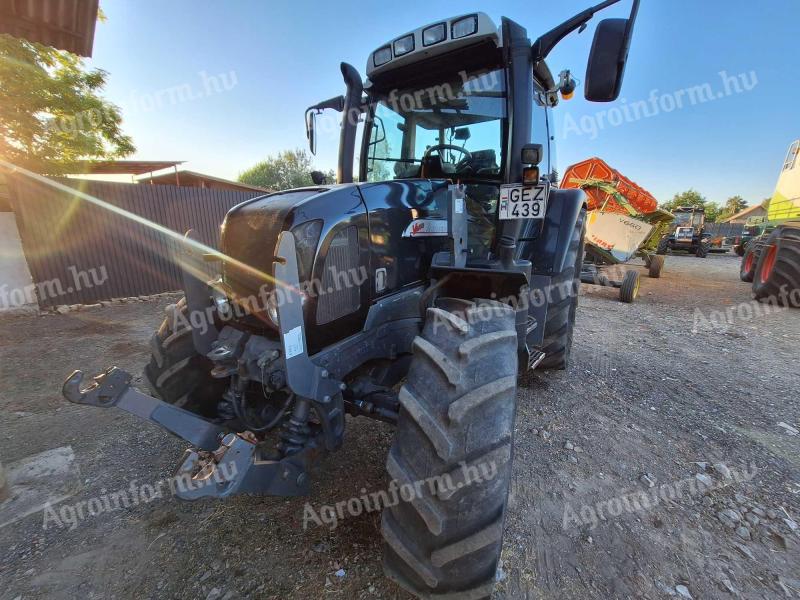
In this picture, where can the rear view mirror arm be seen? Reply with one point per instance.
(546, 42)
(336, 103)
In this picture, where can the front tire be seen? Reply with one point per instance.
(702, 250)
(747, 268)
(176, 373)
(453, 451)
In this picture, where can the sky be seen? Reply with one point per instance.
(223, 85)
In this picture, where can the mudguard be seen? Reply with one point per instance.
(548, 250)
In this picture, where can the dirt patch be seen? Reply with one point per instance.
(646, 400)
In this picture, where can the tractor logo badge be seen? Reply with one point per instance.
(426, 228)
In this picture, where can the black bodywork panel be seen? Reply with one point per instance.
(545, 243)
(392, 206)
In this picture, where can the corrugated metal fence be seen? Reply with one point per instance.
(724, 229)
(81, 253)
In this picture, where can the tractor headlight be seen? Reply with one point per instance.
(434, 34)
(306, 238)
(464, 27)
(404, 45)
(382, 56)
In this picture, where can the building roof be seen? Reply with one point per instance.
(201, 180)
(743, 214)
(63, 24)
(124, 167)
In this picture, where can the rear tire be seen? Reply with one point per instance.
(453, 451)
(176, 373)
(747, 268)
(663, 246)
(656, 266)
(630, 287)
(702, 250)
(563, 303)
(777, 275)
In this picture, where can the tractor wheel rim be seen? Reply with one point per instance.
(769, 263)
(748, 262)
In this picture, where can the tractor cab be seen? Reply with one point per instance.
(689, 222)
(467, 102)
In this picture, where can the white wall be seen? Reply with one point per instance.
(16, 284)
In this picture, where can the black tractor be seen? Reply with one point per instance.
(687, 233)
(415, 296)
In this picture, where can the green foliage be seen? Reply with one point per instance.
(688, 198)
(289, 169)
(692, 197)
(51, 112)
(733, 205)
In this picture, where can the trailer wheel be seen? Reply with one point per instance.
(656, 266)
(563, 303)
(777, 274)
(630, 287)
(176, 373)
(747, 268)
(451, 457)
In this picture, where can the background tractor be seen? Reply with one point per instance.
(687, 233)
(450, 267)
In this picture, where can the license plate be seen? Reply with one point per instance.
(519, 201)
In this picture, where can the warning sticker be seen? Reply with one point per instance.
(293, 342)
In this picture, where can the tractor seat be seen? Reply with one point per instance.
(434, 168)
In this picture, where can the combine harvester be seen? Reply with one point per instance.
(771, 261)
(624, 221)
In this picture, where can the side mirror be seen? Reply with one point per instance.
(311, 133)
(462, 134)
(606, 66)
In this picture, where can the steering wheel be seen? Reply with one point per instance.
(439, 147)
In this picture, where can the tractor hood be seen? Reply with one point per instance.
(250, 231)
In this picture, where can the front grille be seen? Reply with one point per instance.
(340, 292)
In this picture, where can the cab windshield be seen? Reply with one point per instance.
(452, 130)
(686, 219)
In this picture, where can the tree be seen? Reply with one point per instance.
(289, 169)
(692, 197)
(51, 113)
(733, 205)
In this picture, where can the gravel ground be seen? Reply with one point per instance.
(661, 398)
